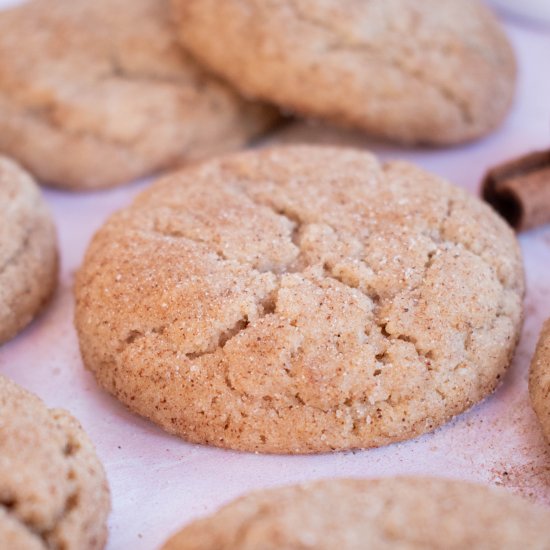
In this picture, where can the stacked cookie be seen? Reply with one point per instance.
(285, 300)
(102, 92)
(430, 71)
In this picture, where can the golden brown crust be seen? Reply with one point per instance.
(300, 299)
(95, 93)
(53, 490)
(28, 250)
(539, 380)
(422, 71)
(352, 514)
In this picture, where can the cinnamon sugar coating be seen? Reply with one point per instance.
(97, 93)
(383, 514)
(414, 71)
(28, 250)
(53, 491)
(299, 300)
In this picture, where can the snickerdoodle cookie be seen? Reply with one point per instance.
(353, 514)
(539, 380)
(300, 299)
(95, 93)
(53, 491)
(28, 250)
(415, 71)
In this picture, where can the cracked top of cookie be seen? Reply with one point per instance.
(429, 71)
(300, 299)
(53, 491)
(95, 93)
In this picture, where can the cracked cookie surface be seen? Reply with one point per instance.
(28, 250)
(415, 71)
(300, 299)
(53, 490)
(405, 513)
(95, 93)
(539, 380)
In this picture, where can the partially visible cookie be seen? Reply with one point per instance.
(95, 93)
(539, 380)
(53, 490)
(415, 71)
(28, 250)
(300, 299)
(354, 514)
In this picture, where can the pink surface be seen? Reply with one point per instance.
(159, 483)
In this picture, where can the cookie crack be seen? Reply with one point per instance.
(19, 251)
(70, 451)
(299, 265)
(330, 275)
(44, 116)
(179, 234)
(467, 246)
(265, 306)
(117, 70)
(440, 245)
(45, 536)
(298, 222)
(71, 502)
(291, 216)
(341, 43)
(46, 113)
(8, 505)
(213, 249)
(224, 337)
(425, 357)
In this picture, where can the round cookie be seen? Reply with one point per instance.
(28, 250)
(539, 380)
(53, 490)
(300, 299)
(423, 71)
(95, 93)
(404, 513)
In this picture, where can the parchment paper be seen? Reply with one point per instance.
(159, 482)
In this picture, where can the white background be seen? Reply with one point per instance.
(159, 483)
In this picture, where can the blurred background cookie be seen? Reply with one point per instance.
(539, 380)
(28, 250)
(299, 300)
(53, 490)
(353, 514)
(95, 93)
(415, 71)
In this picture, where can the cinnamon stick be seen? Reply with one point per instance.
(520, 190)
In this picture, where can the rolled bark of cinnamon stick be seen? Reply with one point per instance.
(520, 190)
